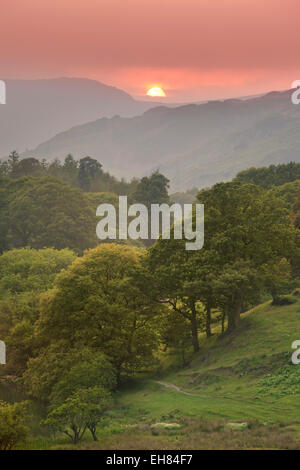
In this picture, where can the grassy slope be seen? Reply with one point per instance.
(223, 380)
(223, 377)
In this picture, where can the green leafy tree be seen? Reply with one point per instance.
(49, 366)
(89, 169)
(70, 170)
(86, 174)
(152, 190)
(277, 278)
(70, 418)
(237, 286)
(273, 175)
(95, 304)
(47, 212)
(246, 228)
(174, 333)
(24, 274)
(4, 214)
(26, 167)
(98, 400)
(94, 371)
(13, 160)
(287, 192)
(26, 270)
(81, 411)
(169, 279)
(13, 431)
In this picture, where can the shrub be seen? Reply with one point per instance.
(12, 429)
(284, 300)
(286, 381)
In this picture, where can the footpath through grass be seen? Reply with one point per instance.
(243, 377)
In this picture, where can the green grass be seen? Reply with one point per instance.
(224, 376)
(234, 378)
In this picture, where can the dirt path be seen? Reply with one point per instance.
(177, 389)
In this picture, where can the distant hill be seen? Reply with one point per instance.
(36, 110)
(194, 145)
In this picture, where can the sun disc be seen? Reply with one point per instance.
(156, 91)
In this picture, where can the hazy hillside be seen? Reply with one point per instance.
(36, 110)
(194, 145)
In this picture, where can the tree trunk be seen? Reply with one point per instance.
(118, 376)
(92, 430)
(275, 298)
(232, 321)
(194, 329)
(234, 316)
(182, 357)
(223, 321)
(208, 321)
(76, 437)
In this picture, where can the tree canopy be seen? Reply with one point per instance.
(273, 175)
(95, 304)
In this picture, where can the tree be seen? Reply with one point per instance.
(27, 166)
(47, 212)
(24, 274)
(70, 418)
(44, 378)
(70, 170)
(4, 214)
(277, 278)
(13, 160)
(296, 210)
(94, 371)
(246, 229)
(237, 285)
(30, 270)
(174, 333)
(13, 431)
(89, 169)
(86, 173)
(168, 279)
(95, 304)
(273, 175)
(287, 192)
(97, 400)
(152, 190)
(81, 411)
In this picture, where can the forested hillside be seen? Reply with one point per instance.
(107, 338)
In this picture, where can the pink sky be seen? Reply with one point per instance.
(194, 49)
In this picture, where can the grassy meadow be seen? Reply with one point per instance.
(197, 406)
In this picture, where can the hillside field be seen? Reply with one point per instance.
(246, 377)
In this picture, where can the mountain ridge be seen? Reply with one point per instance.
(194, 145)
(36, 110)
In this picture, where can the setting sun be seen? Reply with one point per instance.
(156, 91)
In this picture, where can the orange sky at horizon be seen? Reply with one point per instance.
(193, 49)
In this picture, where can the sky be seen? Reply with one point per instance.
(194, 49)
